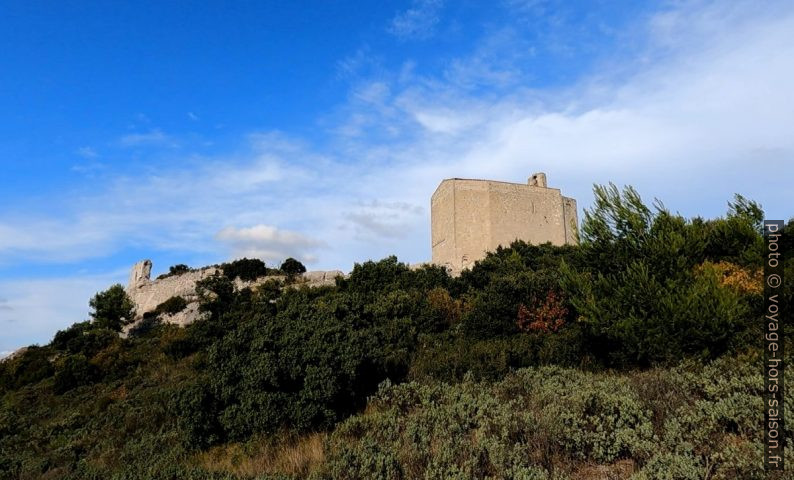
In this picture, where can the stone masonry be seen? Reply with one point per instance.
(472, 217)
(147, 294)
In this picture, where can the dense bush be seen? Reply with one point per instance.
(644, 294)
(73, 371)
(30, 366)
(246, 269)
(86, 338)
(292, 267)
(146, 325)
(171, 306)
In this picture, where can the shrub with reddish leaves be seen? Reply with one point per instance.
(546, 316)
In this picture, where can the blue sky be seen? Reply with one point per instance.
(196, 133)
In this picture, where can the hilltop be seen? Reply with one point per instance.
(635, 354)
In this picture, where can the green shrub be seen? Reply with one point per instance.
(246, 269)
(366, 460)
(668, 466)
(494, 309)
(29, 367)
(196, 410)
(175, 270)
(146, 325)
(370, 277)
(74, 371)
(640, 298)
(172, 306)
(85, 338)
(216, 294)
(292, 267)
(452, 359)
(519, 257)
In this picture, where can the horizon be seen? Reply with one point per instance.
(196, 136)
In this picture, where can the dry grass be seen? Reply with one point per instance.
(287, 454)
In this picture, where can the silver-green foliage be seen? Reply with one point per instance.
(688, 422)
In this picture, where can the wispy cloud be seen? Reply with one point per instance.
(418, 21)
(362, 62)
(87, 152)
(151, 138)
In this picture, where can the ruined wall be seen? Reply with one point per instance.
(472, 217)
(147, 294)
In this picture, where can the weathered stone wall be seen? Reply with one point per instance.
(442, 220)
(147, 294)
(472, 217)
(571, 217)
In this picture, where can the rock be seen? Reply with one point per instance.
(187, 316)
(140, 275)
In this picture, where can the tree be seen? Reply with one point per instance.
(112, 308)
(246, 269)
(292, 267)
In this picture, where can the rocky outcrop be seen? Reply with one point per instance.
(187, 316)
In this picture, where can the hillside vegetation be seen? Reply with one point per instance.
(636, 354)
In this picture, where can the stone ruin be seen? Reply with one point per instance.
(147, 294)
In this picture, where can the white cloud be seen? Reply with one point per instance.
(691, 124)
(268, 243)
(418, 21)
(448, 122)
(383, 221)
